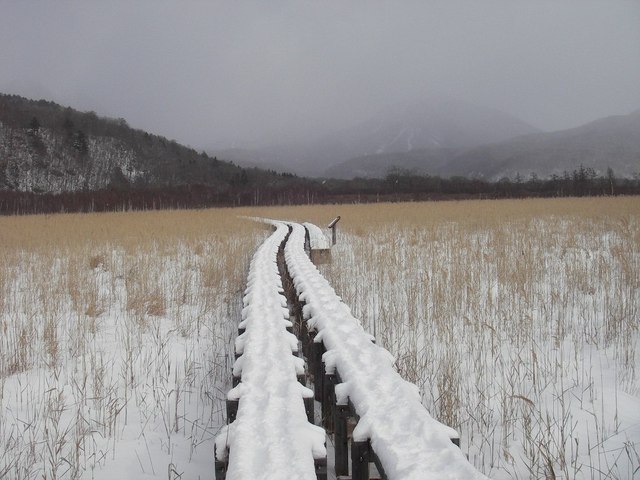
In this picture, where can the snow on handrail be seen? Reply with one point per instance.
(270, 436)
(409, 443)
(317, 239)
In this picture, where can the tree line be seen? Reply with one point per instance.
(180, 177)
(396, 186)
(582, 181)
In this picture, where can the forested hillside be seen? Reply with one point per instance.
(55, 159)
(47, 148)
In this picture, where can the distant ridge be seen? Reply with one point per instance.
(611, 142)
(56, 159)
(437, 123)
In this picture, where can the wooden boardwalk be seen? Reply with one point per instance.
(353, 379)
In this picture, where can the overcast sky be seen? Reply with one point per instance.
(219, 72)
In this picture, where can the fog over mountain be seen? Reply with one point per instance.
(54, 158)
(248, 75)
(611, 142)
(436, 123)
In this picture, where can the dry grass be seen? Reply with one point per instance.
(514, 317)
(518, 320)
(113, 322)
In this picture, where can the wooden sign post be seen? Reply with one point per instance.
(332, 226)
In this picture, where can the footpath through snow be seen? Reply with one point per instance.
(270, 436)
(408, 441)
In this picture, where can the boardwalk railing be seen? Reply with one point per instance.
(355, 377)
(268, 432)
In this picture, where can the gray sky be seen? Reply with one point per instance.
(218, 72)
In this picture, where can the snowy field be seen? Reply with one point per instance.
(517, 320)
(519, 325)
(115, 354)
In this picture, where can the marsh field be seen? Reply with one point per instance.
(518, 320)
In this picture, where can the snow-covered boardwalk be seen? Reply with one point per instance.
(317, 239)
(269, 435)
(406, 440)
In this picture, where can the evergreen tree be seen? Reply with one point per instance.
(610, 180)
(34, 126)
(80, 142)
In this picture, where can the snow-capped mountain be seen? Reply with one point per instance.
(612, 142)
(449, 124)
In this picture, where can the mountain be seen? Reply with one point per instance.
(448, 124)
(250, 159)
(612, 142)
(47, 148)
(434, 161)
(428, 124)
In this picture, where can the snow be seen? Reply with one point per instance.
(317, 239)
(128, 394)
(271, 436)
(122, 393)
(520, 315)
(408, 441)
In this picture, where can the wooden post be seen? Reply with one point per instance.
(221, 466)
(318, 369)
(328, 404)
(333, 226)
(320, 465)
(306, 339)
(232, 410)
(360, 460)
(309, 409)
(221, 470)
(341, 440)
